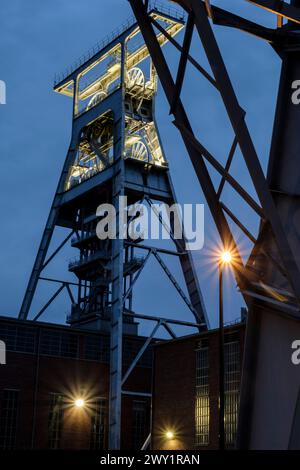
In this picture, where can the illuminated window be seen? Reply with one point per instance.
(99, 424)
(55, 422)
(101, 78)
(140, 423)
(232, 385)
(202, 395)
(8, 418)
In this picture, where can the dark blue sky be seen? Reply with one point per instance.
(38, 39)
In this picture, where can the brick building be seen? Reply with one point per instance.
(49, 370)
(186, 390)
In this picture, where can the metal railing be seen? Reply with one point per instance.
(235, 321)
(75, 262)
(83, 237)
(154, 5)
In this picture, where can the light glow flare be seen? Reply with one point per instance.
(79, 403)
(169, 435)
(226, 257)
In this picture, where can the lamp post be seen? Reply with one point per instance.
(224, 259)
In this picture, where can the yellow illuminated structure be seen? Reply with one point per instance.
(97, 80)
(115, 151)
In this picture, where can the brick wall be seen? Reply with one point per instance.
(37, 376)
(175, 387)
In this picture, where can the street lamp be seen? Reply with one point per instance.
(169, 435)
(225, 258)
(79, 403)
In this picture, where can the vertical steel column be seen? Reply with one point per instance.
(183, 122)
(115, 396)
(245, 142)
(221, 362)
(46, 237)
(50, 224)
(263, 422)
(190, 274)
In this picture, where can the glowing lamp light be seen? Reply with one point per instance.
(226, 257)
(79, 403)
(169, 435)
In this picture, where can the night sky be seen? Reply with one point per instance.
(39, 39)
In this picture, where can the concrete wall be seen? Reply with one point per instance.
(276, 385)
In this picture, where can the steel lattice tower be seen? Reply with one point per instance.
(115, 150)
(270, 279)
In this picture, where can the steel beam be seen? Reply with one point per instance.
(227, 166)
(119, 179)
(175, 283)
(238, 188)
(47, 236)
(245, 142)
(238, 223)
(182, 120)
(183, 61)
(116, 335)
(142, 246)
(133, 281)
(170, 321)
(180, 48)
(141, 352)
(259, 425)
(169, 330)
(225, 18)
(266, 332)
(59, 281)
(57, 250)
(49, 302)
(280, 8)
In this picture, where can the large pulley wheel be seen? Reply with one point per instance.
(139, 151)
(135, 77)
(96, 98)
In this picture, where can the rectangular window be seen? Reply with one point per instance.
(232, 386)
(56, 343)
(55, 421)
(18, 338)
(69, 345)
(8, 418)
(50, 343)
(202, 407)
(8, 334)
(140, 423)
(96, 348)
(99, 424)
